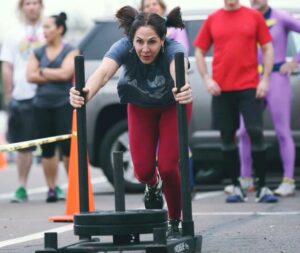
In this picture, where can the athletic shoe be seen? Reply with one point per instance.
(247, 185)
(153, 198)
(286, 188)
(265, 195)
(173, 229)
(236, 196)
(51, 196)
(20, 195)
(228, 189)
(60, 193)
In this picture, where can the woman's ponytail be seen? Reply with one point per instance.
(126, 16)
(174, 19)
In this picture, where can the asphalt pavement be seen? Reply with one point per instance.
(226, 228)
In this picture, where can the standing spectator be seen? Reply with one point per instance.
(280, 25)
(18, 93)
(147, 86)
(235, 85)
(51, 67)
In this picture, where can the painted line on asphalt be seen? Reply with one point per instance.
(35, 236)
(44, 189)
(199, 196)
(245, 213)
(40, 235)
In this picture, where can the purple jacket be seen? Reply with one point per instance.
(179, 35)
(280, 24)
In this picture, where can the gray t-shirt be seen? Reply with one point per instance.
(53, 93)
(147, 85)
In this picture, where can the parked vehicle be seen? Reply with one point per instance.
(107, 119)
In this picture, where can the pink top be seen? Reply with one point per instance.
(179, 35)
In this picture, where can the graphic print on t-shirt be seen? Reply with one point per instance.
(157, 87)
(29, 42)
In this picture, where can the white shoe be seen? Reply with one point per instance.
(286, 188)
(228, 189)
(247, 185)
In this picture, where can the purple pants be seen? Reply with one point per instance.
(278, 102)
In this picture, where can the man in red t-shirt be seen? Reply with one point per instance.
(235, 31)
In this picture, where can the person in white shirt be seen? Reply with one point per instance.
(18, 92)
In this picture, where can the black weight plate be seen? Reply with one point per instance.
(90, 230)
(117, 218)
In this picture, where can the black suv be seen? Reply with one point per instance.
(107, 119)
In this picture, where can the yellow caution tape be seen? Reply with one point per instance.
(27, 144)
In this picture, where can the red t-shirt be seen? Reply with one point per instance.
(235, 35)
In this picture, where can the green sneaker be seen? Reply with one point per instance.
(20, 195)
(60, 193)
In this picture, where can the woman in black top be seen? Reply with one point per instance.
(51, 67)
(146, 84)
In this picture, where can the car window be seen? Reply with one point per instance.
(99, 39)
(103, 34)
(293, 44)
(296, 39)
(192, 27)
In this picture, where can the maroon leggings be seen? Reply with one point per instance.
(148, 127)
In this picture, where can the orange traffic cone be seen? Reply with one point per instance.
(72, 201)
(3, 162)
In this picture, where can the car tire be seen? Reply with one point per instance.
(116, 139)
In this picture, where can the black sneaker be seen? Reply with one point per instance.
(173, 229)
(153, 198)
(51, 196)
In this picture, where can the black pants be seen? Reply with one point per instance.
(51, 122)
(227, 109)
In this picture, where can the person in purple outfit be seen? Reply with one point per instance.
(280, 24)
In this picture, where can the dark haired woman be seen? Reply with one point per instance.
(147, 86)
(51, 67)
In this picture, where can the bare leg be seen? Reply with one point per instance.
(24, 161)
(50, 166)
(66, 163)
